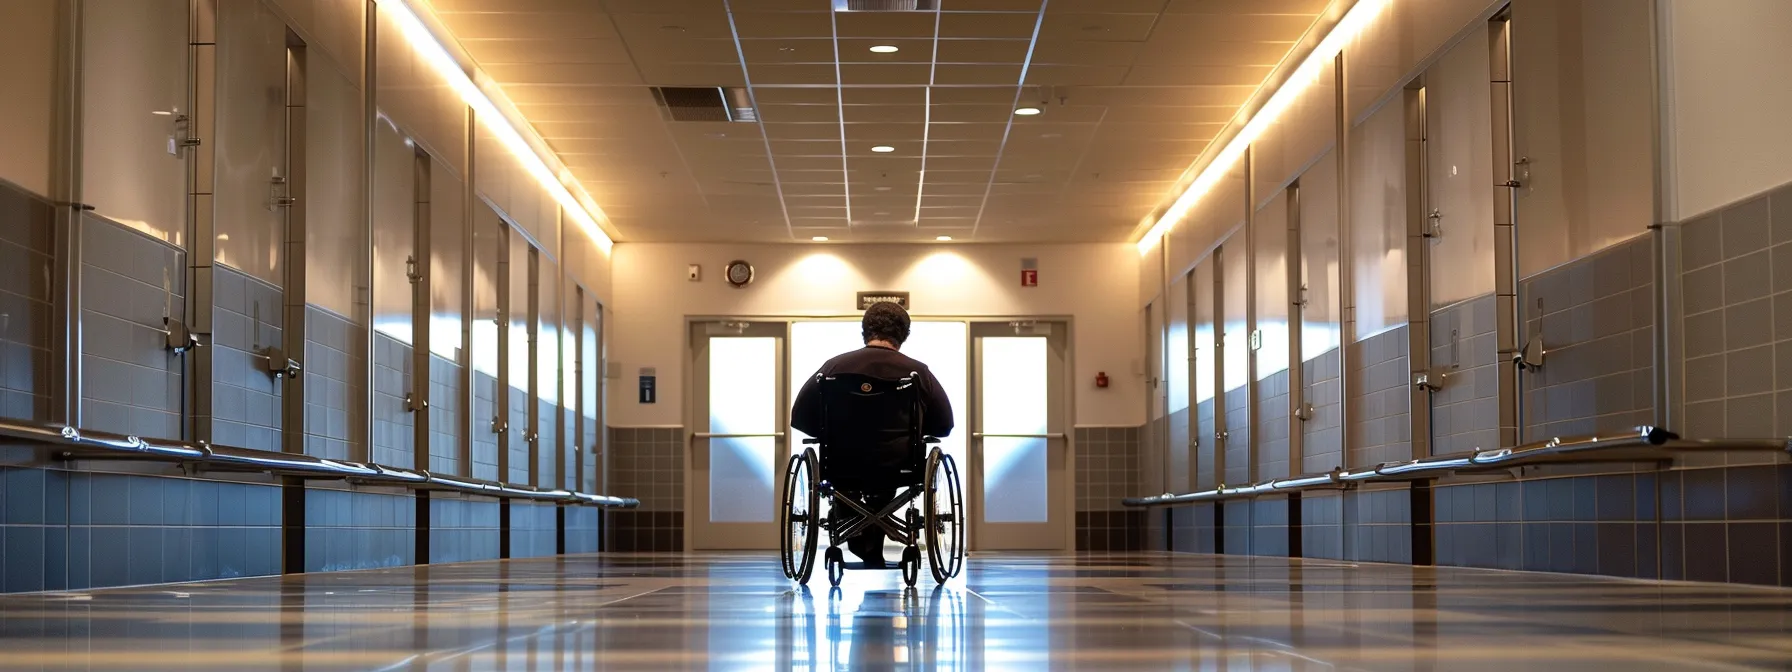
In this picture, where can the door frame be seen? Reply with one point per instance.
(688, 413)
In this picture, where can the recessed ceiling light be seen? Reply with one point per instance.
(883, 149)
(882, 188)
(944, 238)
(1051, 135)
(1027, 111)
(885, 49)
(820, 239)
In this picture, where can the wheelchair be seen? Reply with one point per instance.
(860, 413)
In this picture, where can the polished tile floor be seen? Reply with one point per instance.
(729, 612)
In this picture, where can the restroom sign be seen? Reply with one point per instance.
(867, 299)
(1029, 272)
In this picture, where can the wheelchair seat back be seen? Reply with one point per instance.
(871, 431)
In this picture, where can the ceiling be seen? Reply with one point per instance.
(1131, 92)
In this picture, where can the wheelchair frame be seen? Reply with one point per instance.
(938, 527)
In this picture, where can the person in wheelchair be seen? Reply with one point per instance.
(884, 328)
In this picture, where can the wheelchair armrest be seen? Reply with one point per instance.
(811, 442)
(930, 439)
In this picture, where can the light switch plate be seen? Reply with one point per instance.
(694, 272)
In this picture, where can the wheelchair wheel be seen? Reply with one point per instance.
(911, 565)
(944, 511)
(799, 519)
(836, 566)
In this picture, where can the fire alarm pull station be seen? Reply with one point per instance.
(1101, 379)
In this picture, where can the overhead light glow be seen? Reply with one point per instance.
(883, 149)
(820, 239)
(419, 36)
(885, 49)
(944, 239)
(1027, 111)
(1346, 29)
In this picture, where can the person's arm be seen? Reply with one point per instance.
(805, 414)
(936, 407)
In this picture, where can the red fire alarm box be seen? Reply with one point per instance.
(1101, 379)
(1029, 278)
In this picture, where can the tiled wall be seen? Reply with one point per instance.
(519, 426)
(446, 421)
(1194, 529)
(27, 242)
(1465, 414)
(245, 398)
(463, 529)
(132, 382)
(359, 530)
(70, 530)
(1107, 470)
(1737, 294)
(1238, 436)
(1207, 475)
(333, 347)
(1381, 424)
(583, 534)
(1322, 441)
(647, 464)
(1596, 320)
(485, 441)
(394, 434)
(1272, 426)
(534, 529)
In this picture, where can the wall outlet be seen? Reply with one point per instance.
(694, 272)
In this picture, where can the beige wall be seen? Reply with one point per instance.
(1726, 100)
(1094, 284)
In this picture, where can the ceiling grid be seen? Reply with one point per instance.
(1130, 92)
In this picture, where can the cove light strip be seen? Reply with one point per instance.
(421, 38)
(1346, 29)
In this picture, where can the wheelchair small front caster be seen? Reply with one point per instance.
(911, 565)
(836, 566)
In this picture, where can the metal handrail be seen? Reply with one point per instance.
(1642, 445)
(94, 444)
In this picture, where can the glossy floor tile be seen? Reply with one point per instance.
(735, 612)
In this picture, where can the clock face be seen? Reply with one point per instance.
(739, 273)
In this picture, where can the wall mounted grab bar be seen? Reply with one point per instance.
(85, 444)
(1645, 444)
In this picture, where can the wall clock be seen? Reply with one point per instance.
(739, 273)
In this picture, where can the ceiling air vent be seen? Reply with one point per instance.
(705, 103)
(886, 5)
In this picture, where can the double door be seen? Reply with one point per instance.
(1006, 381)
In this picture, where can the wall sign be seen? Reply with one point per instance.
(649, 386)
(1029, 272)
(868, 298)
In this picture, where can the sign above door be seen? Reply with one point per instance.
(898, 298)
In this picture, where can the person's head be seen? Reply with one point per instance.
(886, 322)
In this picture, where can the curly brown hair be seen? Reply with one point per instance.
(885, 322)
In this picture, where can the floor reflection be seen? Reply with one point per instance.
(734, 612)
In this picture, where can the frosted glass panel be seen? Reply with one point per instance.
(547, 353)
(1378, 220)
(1013, 375)
(134, 84)
(1204, 350)
(1271, 268)
(335, 216)
(1583, 111)
(1459, 141)
(1234, 266)
(1178, 345)
(447, 260)
(1319, 257)
(743, 398)
(251, 142)
(488, 239)
(394, 231)
(1014, 480)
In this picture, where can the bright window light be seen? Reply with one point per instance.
(944, 239)
(1352, 24)
(820, 239)
(419, 36)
